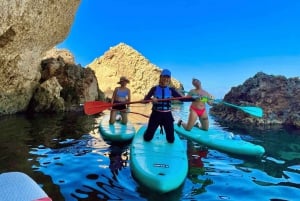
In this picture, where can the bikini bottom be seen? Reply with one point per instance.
(198, 111)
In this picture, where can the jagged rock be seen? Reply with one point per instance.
(78, 84)
(123, 60)
(28, 29)
(278, 96)
(64, 53)
(47, 97)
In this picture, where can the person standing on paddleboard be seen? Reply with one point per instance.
(197, 108)
(121, 95)
(161, 114)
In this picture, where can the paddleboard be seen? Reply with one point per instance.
(117, 131)
(18, 186)
(157, 164)
(221, 140)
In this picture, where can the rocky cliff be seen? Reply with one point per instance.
(123, 60)
(28, 29)
(63, 84)
(278, 96)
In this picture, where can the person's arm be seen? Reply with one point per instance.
(114, 95)
(176, 94)
(191, 93)
(129, 96)
(210, 98)
(150, 94)
(128, 99)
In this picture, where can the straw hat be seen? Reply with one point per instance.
(123, 79)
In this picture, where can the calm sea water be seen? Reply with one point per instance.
(67, 156)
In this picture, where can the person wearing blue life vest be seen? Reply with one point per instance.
(161, 114)
(120, 95)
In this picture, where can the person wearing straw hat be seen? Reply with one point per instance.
(120, 95)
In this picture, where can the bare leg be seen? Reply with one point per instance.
(204, 121)
(112, 118)
(124, 117)
(191, 121)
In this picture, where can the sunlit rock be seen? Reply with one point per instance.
(28, 29)
(123, 60)
(278, 96)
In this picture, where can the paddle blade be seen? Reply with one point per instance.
(255, 111)
(95, 107)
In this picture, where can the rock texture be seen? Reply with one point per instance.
(123, 60)
(63, 53)
(28, 29)
(47, 97)
(278, 96)
(64, 86)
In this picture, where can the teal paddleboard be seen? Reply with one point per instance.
(158, 165)
(221, 140)
(117, 131)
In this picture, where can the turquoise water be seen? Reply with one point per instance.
(66, 155)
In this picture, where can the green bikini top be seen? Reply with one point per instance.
(203, 99)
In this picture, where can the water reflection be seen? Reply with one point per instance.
(196, 173)
(119, 158)
(82, 171)
(68, 157)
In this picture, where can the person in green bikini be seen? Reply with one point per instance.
(197, 108)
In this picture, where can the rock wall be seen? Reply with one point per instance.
(64, 86)
(28, 28)
(123, 60)
(278, 96)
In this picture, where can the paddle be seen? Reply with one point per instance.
(254, 111)
(94, 107)
(139, 114)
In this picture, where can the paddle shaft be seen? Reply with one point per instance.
(139, 114)
(151, 100)
(252, 110)
(94, 107)
(144, 115)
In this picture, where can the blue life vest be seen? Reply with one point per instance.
(162, 93)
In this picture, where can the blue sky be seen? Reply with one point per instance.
(221, 42)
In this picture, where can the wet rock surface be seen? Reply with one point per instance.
(278, 96)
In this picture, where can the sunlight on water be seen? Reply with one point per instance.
(69, 158)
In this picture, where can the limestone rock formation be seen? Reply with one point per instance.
(64, 53)
(76, 84)
(47, 97)
(123, 60)
(278, 96)
(28, 29)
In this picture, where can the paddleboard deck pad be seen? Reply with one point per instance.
(221, 140)
(157, 164)
(117, 131)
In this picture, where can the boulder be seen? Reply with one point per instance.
(28, 29)
(278, 96)
(77, 84)
(47, 97)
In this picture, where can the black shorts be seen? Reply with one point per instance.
(119, 107)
